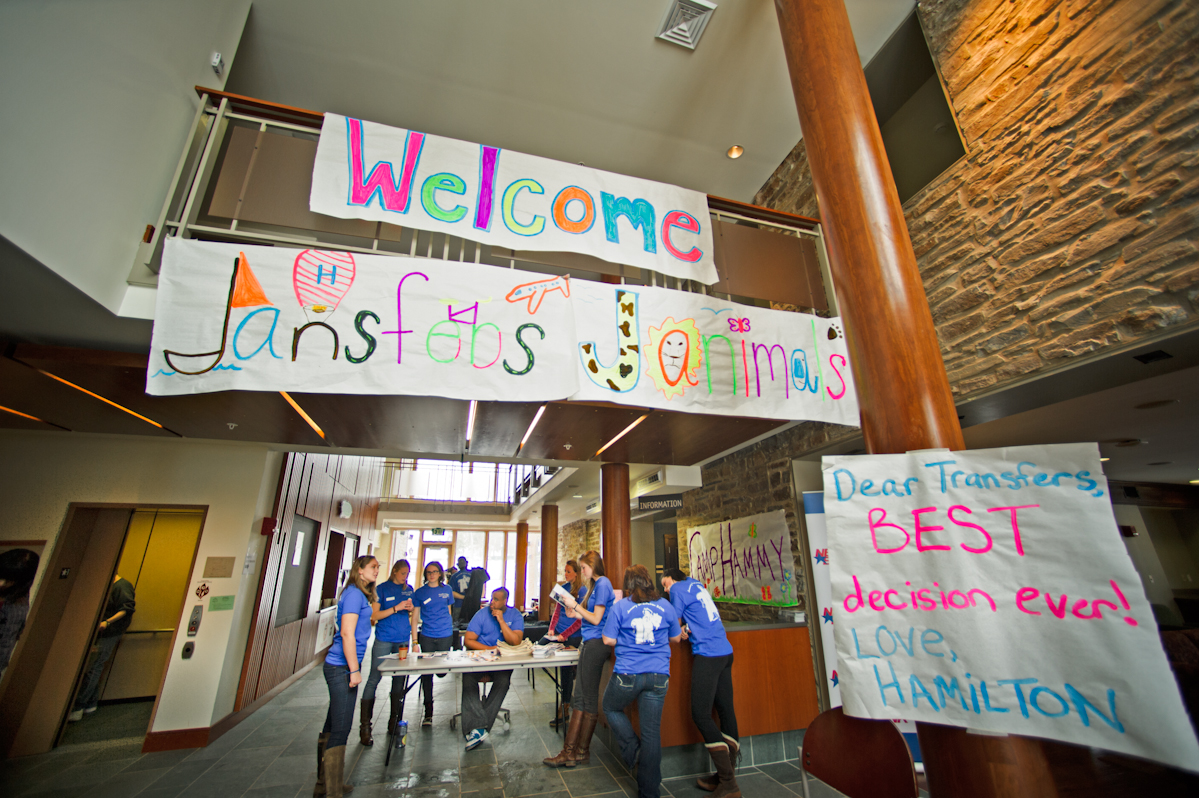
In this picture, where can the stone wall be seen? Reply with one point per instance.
(577, 537)
(755, 480)
(1071, 225)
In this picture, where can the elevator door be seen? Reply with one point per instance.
(157, 558)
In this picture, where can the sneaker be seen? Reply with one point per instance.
(427, 721)
(89, 710)
(475, 739)
(76, 715)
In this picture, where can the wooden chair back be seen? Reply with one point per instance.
(861, 758)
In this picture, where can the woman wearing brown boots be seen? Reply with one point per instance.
(569, 631)
(595, 596)
(343, 674)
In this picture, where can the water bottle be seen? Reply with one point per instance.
(402, 734)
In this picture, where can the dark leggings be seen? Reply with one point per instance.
(340, 717)
(428, 644)
(566, 676)
(712, 685)
(592, 657)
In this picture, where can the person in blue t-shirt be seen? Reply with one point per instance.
(711, 676)
(393, 632)
(594, 597)
(565, 629)
(641, 626)
(343, 673)
(486, 630)
(434, 602)
(460, 581)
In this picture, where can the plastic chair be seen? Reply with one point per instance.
(861, 758)
(505, 714)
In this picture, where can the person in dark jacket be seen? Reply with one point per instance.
(118, 614)
(17, 569)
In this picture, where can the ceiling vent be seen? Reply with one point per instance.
(594, 507)
(685, 21)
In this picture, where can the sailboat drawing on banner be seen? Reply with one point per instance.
(244, 292)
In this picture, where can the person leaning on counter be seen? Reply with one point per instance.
(711, 678)
(485, 632)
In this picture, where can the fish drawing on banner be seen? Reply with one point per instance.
(321, 279)
(625, 372)
(535, 292)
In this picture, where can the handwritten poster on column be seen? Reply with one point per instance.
(675, 350)
(990, 589)
(369, 171)
(232, 317)
(746, 560)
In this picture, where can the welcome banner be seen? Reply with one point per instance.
(233, 317)
(369, 171)
(991, 589)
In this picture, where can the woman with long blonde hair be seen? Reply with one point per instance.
(343, 673)
(593, 598)
(569, 631)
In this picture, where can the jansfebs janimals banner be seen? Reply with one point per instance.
(369, 171)
(234, 317)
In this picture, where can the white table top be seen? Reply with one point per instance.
(414, 666)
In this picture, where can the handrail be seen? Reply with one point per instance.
(288, 113)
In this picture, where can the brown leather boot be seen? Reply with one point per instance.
(335, 767)
(366, 714)
(321, 740)
(566, 757)
(583, 751)
(727, 788)
(710, 782)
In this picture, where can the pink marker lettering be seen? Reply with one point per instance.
(1015, 525)
(393, 197)
(875, 524)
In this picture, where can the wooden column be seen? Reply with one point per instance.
(615, 524)
(901, 382)
(549, 556)
(522, 563)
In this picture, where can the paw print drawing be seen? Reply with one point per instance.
(835, 332)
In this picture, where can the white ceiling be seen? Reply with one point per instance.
(576, 82)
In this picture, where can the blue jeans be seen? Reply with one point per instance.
(379, 650)
(342, 698)
(89, 691)
(649, 689)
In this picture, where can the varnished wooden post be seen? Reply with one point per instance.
(615, 524)
(522, 564)
(901, 383)
(549, 557)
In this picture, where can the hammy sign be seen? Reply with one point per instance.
(990, 589)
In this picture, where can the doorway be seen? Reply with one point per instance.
(156, 559)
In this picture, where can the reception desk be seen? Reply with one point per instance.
(774, 692)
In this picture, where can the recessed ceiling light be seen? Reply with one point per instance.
(1104, 459)
(735, 151)
(577, 496)
(1195, 481)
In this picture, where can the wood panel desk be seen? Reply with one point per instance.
(774, 683)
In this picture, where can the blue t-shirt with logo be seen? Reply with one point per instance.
(394, 628)
(642, 633)
(352, 602)
(487, 627)
(602, 596)
(460, 582)
(434, 604)
(695, 607)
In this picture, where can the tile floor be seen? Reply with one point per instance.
(272, 755)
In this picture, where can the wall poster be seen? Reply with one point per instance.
(746, 560)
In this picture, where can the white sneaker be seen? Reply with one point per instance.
(89, 710)
(76, 715)
(475, 739)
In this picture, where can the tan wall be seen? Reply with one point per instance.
(41, 473)
(1070, 227)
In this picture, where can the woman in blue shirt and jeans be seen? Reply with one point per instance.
(343, 673)
(393, 633)
(641, 626)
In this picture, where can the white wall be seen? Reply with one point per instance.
(1172, 549)
(97, 101)
(641, 548)
(1145, 557)
(42, 472)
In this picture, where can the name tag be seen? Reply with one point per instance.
(426, 601)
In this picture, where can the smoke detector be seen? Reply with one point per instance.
(685, 21)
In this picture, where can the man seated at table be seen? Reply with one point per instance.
(485, 632)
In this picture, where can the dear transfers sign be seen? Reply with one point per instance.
(990, 589)
(369, 171)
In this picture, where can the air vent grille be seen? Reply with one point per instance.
(685, 21)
